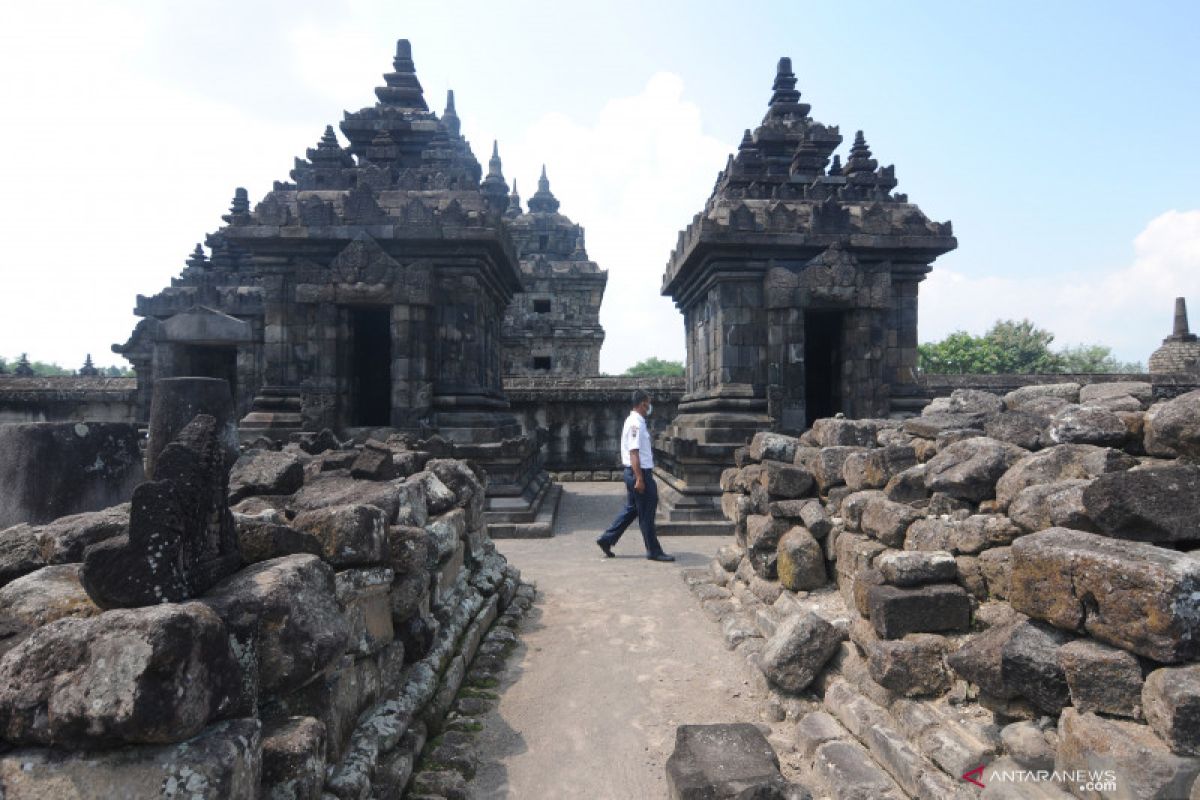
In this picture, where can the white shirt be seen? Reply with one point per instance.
(636, 436)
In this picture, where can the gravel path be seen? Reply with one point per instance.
(614, 655)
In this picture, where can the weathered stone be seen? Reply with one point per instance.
(914, 568)
(848, 766)
(285, 620)
(925, 609)
(737, 629)
(767, 591)
(337, 697)
(1052, 505)
(148, 675)
(948, 437)
(980, 660)
(265, 472)
(834, 432)
(996, 566)
(446, 532)
(766, 446)
(815, 729)
(1133, 595)
(317, 443)
(729, 556)
(913, 666)
(872, 469)
(20, 552)
(1029, 666)
(363, 595)
(726, 761)
(222, 763)
(261, 538)
(350, 535)
(1140, 764)
(762, 543)
(293, 759)
(969, 469)
(971, 577)
(64, 540)
(799, 650)
(801, 562)
(929, 425)
(1173, 427)
(854, 505)
(1102, 679)
(1059, 463)
(52, 469)
(980, 532)
(1171, 702)
(1069, 392)
(40, 598)
(887, 521)
(861, 584)
(374, 462)
(439, 498)
(181, 536)
(1093, 425)
(1157, 504)
(327, 490)
(825, 464)
(1017, 427)
(1098, 393)
(908, 486)
(1026, 742)
(974, 401)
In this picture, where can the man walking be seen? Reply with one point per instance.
(641, 492)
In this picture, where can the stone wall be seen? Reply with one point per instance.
(59, 399)
(313, 639)
(1001, 583)
(582, 417)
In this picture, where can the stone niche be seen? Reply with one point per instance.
(798, 286)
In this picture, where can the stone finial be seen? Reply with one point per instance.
(329, 142)
(450, 116)
(1180, 331)
(860, 156)
(239, 209)
(543, 201)
(197, 258)
(784, 88)
(514, 202)
(580, 251)
(747, 140)
(403, 90)
(494, 187)
(23, 368)
(88, 370)
(835, 169)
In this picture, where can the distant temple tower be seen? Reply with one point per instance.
(798, 286)
(367, 293)
(553, 327)
(1180, 352)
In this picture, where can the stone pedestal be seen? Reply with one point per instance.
(176, 403)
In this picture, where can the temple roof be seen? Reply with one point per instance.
(545, 238)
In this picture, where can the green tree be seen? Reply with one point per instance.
(1011, 347)
(656, 368)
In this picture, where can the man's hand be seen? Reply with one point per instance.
(635, 461)
(639, 485)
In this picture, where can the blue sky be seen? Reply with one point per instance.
(1057, 137)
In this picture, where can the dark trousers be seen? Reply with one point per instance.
(640, 506)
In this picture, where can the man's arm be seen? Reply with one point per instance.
(635, 462)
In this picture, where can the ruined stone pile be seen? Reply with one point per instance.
(303, 643)
(1003, 581)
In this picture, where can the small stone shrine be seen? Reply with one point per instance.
(365, 294)
(798, 285)
(553, 327)
(1180, 352)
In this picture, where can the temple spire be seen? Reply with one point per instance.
(88, 370)
(450, 116)
(23, 369)
(543, 201)
(860, 156)
(784, 88)
(197, 258)
(403, 90)
(514, 202)
(1180, 332)
(239, 209)
(835, 168)
(494, 188)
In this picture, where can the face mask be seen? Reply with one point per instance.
(649, 409)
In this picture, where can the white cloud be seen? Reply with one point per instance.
(1127, 308)
(632, 177)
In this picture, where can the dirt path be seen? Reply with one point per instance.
(614, 656)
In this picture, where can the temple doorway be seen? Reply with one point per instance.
(822, 363)
(207, 361)
(371, 366)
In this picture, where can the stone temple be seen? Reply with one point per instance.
(553, 327)
(366, 293)
(798, 286)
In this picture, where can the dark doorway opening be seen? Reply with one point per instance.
(541, 362)
(371, 365)
(822, 364)
(208, 361)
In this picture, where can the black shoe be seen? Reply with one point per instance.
(660, 557)
(608, 553)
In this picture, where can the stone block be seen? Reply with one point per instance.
(1130, 754)
(815, 729)
(996, 566)
(801, 562)
(969, 469)
(268, 472)
(825, 464)
(785, 481)
(1173, 427)
(1029, 666)
(896, 612)
(350, 535)
(261, 538)
(1051, 505)
(714, 761)
(1017, 427)
(1059, 463)
(912, 667)
(1067, 392)
(222, 763)
(834, 432)
(908, 486)
(146, 676)
(337, 698)
(930, 425)
(798, 651)
(1171, 701)
(39, 598)
(293, 759)
(855, 505)
(446, 533)
(1102, 679)
(1157, 504)
(1027, 744)
(374, 462)
(1132, 595)
(1096, 425)
(851, 773)
(874, 468)
(766, 446)
(914, 568)
(364, 597)
(887, 521)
